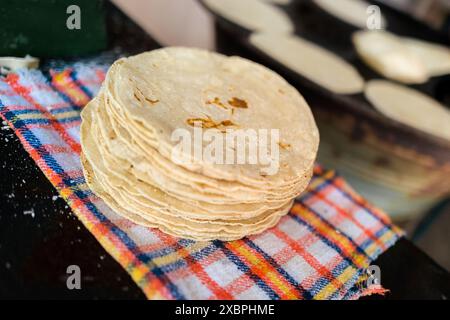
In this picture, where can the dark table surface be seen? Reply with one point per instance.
(40, 237)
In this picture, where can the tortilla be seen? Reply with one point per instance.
(410, 107)
(387, 54)
(435, 57)
(253, 15)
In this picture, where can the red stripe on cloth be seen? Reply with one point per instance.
(359, 200)
(153, 247)
(239, 285)
(13, 80)
(263, 267)
(347, 247)
(309, 258)
(122, 223)
(348, 215)
(100, 75)
(55, 148)
(64, 83)
(197, 268)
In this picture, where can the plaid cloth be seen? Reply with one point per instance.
(318, 251)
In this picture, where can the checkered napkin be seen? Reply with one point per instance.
(320, 250)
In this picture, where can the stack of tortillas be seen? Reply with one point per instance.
(132, 161)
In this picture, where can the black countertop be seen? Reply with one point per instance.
(40, 237)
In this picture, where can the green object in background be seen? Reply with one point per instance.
(40, 28)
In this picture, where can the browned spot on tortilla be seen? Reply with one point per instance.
(208, 123)
(152, 101)
(216, 101)
(112, 135)
(227, 123)
(238, 103)
(284, 146)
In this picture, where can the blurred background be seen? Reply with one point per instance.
(190, 24)
(404, 171)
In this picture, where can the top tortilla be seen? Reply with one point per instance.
(163, 89)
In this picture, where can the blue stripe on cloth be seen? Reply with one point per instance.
(328, 224)
(351, 283)
(186, 242)
(245, 269)
(335, 273)
(329, 181)
(48, 121)
(33, 110)
(63, 96)
(304, 293)
(346, 261)
(74, 76)
(324, 239)
(147, 256)
(319, 283)
(197, 256)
